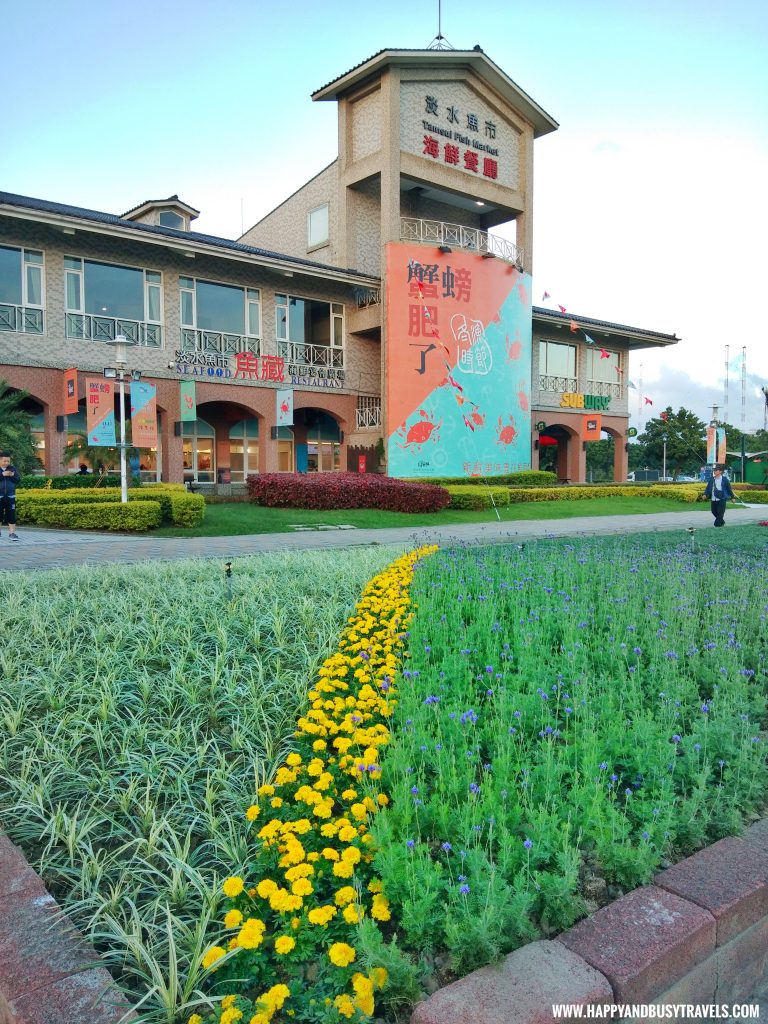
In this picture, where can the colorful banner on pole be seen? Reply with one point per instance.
(458, 364)
(143, 415)
(187, 401)
(716, 445)
(100, 412)
(284, 407)
(70, 392)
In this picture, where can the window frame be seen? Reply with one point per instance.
(317, 243)
(152, 280)
(25, 266)
(249, 302)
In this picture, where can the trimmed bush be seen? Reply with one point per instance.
(74, 481)
(345, 490)
(526, 478)
(476, 496)
(177, 505)
(108, 515)
(35, 483)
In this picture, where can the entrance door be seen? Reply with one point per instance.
(199, 452)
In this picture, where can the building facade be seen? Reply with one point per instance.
(378, 295)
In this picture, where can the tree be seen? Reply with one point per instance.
(686, 446)
(15, 428)
(79, 448)
(600, 460)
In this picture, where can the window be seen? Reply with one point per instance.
(21, 290)
(317, 226)
(368, 412)
(557, 366)
(601, 369)
(244, 449)
(105, 299)
(323, 442)
(309, 331)
(219, 317)
(169, 219)
(198, 444)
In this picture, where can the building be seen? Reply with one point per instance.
(376, 300)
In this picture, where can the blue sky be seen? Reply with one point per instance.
(650, 200)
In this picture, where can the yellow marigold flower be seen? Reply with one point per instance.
(347, 834)
(228, 1001)
(233, 919)
(349, 794)
(301, 826)
(195, 1019)
(284, 944)
(266, 887)
(265, 790)
(343, 869)
(300, 871)
(382, 800)
(330, 854)
(345, 895)
(259, 1018)
(276, 802)
(351, 855)
(380, 908)
(319, 745)
(315, 767)
(366, 1004)
(324, 782)
(375, 885)
(322, 915)
(359, 811)
(293, 760)
(295, 923)
(322, 810)
(231, 1015)
(232, 944)
(329, 829)
(253, 812)
(251, 935)
(352, 914)
(344, 1005)
(342, 744)
(313, 856)
(284, 776)
(379, 977)
(212, 955)
(233, 886)
(302, 887)
(341, 955)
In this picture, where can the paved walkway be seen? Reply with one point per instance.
(53, 549)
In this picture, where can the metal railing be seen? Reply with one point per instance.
(368, 412)
(438, 232)
(367, 297)
(547, 382)
(611, 389)
(218, 342)
(86, 327)
(21, 319)
(310, 355)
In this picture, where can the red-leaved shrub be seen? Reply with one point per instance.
(345, 490)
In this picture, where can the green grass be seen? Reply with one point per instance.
(224, 520)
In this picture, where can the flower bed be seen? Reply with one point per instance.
(293, 913)
(345, 490)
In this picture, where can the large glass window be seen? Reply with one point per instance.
(21, 290)
(219, 317)
(310, 331)
(105, 299)
(317, 226)
(198, 447)
(602, 368)
(244, 449)
(556, 359)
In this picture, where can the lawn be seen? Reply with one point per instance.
(237, 518)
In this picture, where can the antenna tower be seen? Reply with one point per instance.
(725, 390)
(440, 42)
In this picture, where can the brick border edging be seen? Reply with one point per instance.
(48, 971)
(698, 934)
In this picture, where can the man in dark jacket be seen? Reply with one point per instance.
(719, 491)
(9, 477)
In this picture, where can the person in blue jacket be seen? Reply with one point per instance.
(719, 491)
(9, 477)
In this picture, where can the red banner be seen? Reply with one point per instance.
(70, 392)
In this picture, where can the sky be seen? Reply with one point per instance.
(650, 200)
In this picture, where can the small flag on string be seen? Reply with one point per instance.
(589, 341)
(561, 308)
(664, 416)
(631, 385)
(574, 326)
(604, 354)
(648, 401)
(545, 296)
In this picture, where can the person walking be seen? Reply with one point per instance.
(719, 491)
(9, 478)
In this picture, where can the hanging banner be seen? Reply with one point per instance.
(70, 391)
(143, 415)
(721, 454)
(100, 412)
(187, 401)
(592, 427)
(284, 407)
(716, 445)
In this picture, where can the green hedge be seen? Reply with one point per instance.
(180, 507)
(526, 478)
(109, 515)
(177, 505)
(476, 496)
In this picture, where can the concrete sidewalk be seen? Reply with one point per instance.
(54, 549)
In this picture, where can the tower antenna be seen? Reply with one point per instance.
(440, 42)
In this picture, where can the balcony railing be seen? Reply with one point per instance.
(548, 382)
(220, 343)
(367, 297)
(368, 412)
(21, 319)
(611, 389)
(311, 355)
(87, 327)
(438, 232)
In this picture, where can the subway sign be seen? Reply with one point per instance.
(575, 400)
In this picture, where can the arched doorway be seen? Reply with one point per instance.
(318, 441)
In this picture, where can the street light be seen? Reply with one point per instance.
(120, 341)
(664, 465)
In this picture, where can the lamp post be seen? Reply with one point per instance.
(120, 341)
(664, 464)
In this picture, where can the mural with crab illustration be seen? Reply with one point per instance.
(458, 364)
